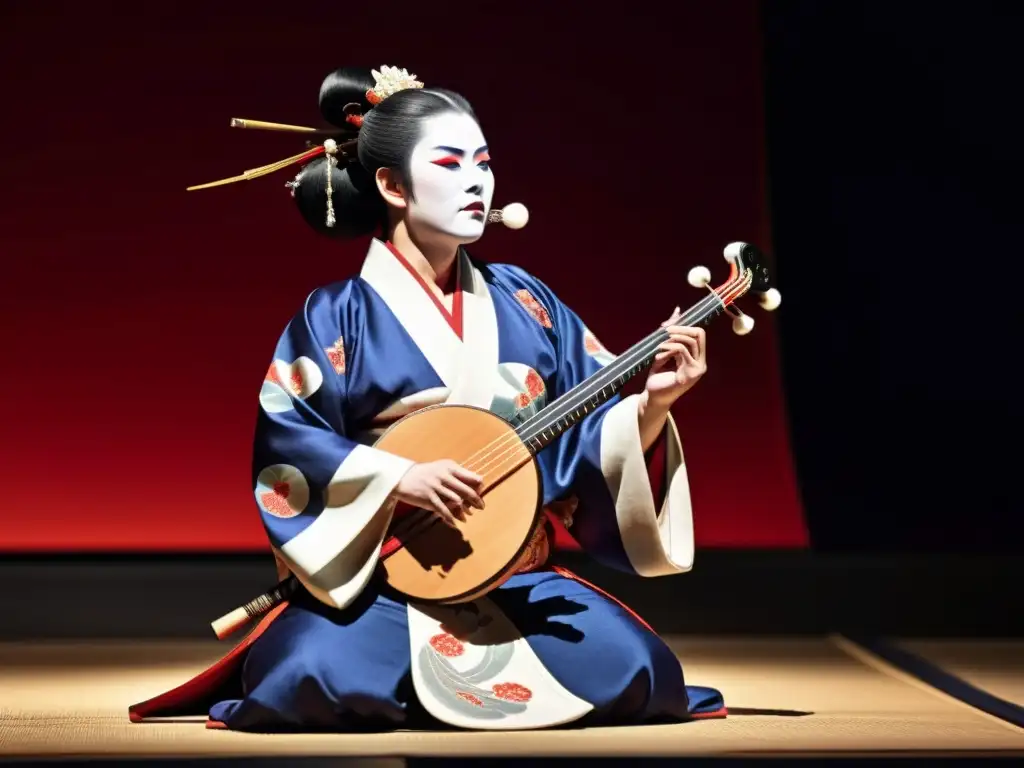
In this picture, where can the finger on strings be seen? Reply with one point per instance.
(448, 495)
(441, 511)
(689, 336)
(452, 501)
(700, 336)
(676, 346)
(672, 318)
(690, 342)
(702, 343)
(466, 476)
(691, 331)
(466, 493)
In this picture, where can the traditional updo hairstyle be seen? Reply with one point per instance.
(388, 133)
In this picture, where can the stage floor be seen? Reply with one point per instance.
(792, 696)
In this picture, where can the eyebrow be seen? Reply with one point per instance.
(460, 152)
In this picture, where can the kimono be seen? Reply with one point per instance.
(545, 649)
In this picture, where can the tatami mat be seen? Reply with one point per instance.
(784, 696)
(995, 666)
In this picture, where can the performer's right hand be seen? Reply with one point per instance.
(443, 487)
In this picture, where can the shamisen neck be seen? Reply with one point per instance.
(543, 428)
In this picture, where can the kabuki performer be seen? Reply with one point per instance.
(425, 323)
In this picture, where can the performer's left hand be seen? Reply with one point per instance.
(679, 364)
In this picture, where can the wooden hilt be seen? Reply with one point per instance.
(231, 622)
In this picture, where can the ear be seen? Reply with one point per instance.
(390, 187)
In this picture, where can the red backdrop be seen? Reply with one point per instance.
(138, 320)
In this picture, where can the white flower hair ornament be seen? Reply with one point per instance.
(387, 82)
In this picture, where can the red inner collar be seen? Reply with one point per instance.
(454, 318)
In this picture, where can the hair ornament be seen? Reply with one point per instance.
(330, 147)
(354, 115)
(389, 81)
(331, 150)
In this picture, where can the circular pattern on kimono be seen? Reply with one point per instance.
(287, 380)
(520, 392)
(282, 491)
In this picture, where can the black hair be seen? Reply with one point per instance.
(389, 132)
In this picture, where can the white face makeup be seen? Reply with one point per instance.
(452, 183)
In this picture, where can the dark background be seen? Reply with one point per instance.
(855, 460)
(893, 134)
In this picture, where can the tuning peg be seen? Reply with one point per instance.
(770, 299)
(732, 251)
(699, 277)
(742, 324)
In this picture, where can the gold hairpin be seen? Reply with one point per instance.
(330, 147)
(262, 125)
(263, 170)
(344, 148)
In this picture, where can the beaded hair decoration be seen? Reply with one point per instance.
(387, 82)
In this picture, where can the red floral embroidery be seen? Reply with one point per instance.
(534, 307)
(534, 389)
(474, 700)
(276, 501)
(336, 354)
(512, 692)
(272, 375)
(297, 382)
(534, 384)
(447, 645)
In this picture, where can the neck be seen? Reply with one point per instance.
(541, 429)
(434, 260)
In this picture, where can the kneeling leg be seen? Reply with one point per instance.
(320, 668)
